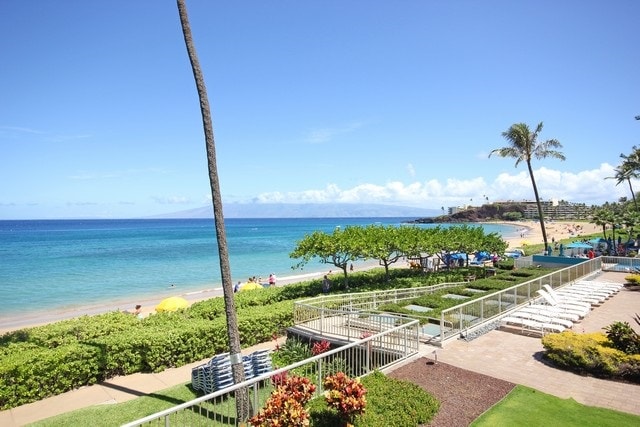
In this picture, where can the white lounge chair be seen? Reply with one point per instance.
(547, 310)
(603, 284)
(571, 297)
(525, 314)
(574, 306)
(532, 325)
(583, 293)
(610, 289)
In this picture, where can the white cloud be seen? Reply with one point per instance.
(589, 186)
(411, 170)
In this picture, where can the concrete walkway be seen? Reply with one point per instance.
(509, 356)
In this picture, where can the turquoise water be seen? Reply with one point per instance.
(65, 264)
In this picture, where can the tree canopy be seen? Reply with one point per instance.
(389, 244)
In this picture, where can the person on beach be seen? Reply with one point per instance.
(236, 288)
(138, 311)
(272, 279)
(326, 284)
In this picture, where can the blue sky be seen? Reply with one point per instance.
(316, 101)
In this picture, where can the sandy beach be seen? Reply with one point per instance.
(558, 230)
(530, 234)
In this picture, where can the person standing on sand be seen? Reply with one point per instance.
(272, 279)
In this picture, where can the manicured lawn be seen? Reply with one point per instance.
(528, 407)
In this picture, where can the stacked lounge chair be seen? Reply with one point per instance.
(217, 373)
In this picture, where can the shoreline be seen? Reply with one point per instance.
(40, 318)
(530, 232)
(558, 230)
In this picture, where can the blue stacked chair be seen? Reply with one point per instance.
(197, 378)
(247, 363)
(217, 373)
(261, 361)
(221, 373)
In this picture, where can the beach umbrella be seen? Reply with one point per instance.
(172, 304)
(250, 286)
(525, 243)
(578, 245)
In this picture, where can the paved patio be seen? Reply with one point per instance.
(516, 357)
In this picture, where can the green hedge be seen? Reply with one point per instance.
(28, 376)
(44, 361)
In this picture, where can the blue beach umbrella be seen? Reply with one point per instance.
(579, 245)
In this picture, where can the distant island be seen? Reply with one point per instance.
(305, 210)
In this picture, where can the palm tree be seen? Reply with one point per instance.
(524, 146)
(242, 397)
(630, 168)
(600, 217)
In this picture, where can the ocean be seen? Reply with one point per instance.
(51, 266)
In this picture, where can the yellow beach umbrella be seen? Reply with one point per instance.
(172, 304)
(250, 286)
(525, 243)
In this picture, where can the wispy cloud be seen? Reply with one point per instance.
(322, 135)
(16, 132)
(17, 129)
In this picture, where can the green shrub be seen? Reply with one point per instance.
(34, 375)
(384, 408)
(633, 279)
(591, 354)
(623, 337)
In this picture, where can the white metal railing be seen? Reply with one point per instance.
(315, 308)
(356, 359)
(621, 264)
(474, 314)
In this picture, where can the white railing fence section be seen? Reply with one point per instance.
(357, 359)
(468, 316)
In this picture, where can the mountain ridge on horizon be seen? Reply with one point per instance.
(304, 210)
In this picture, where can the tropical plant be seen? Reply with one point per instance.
(242, 396)
(345, 394)
(623, 337)
(627, 170)
(285, 405)
(524, 146)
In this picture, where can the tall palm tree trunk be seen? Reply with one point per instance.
(242, 397)
(633, 195)
(540, 215)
